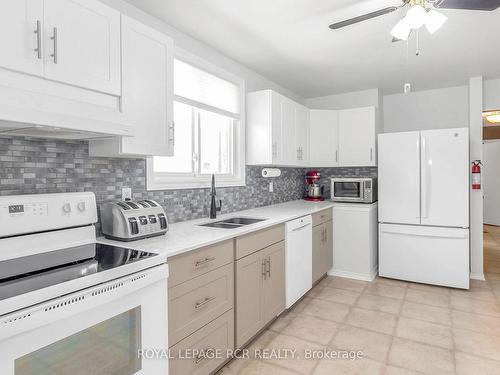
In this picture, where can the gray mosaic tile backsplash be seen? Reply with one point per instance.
(29, 166)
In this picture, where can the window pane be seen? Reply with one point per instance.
(181, 162)
(200, 86)
(216, 143)
(109, 347)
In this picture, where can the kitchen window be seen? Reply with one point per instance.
(209, 129)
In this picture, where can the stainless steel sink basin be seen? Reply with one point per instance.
(232, 223)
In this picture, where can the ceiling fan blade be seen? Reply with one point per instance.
(487, 5)
(364, 17)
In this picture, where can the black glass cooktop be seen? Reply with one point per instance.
(30, 273)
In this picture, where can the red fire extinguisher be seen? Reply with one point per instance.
(476, 175)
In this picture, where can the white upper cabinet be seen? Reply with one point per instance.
(147, 94)
(357, 137)
(277, 130)
(324, 138)
(82, 39)
(21, 23)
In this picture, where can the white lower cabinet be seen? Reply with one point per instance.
(147, 94)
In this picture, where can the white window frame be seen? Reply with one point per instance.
(175, 181)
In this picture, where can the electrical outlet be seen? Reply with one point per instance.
(271, 187)
(126, 193)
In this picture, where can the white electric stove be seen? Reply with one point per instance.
(69, 305)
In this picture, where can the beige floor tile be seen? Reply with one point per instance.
(263, 368)
(373, 345)
(425, 332)
(393, 370)
(475, 293)
(479, 344)
(476, 322)
(348, 284)
(430, 288)
(313, 293)
(281, 322)
(471, 365)
(262, 340)
(312, 329)
(426, 313)
(347, 297)
(475, 306)
(386, 290)
(428, 298)
(363, 366)
(379, 303)
(390, 282)
(373, 320)
(234, 367)
(480, 284)
(325, 281)
(299, 363)
(301, 305)
(420, 357)
(326, 310)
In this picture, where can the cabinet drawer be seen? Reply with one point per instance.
(198, 301)
(187, 266)
(217, 336)
(253, 242)
(322, 217)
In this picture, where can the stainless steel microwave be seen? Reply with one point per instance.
(361, 190)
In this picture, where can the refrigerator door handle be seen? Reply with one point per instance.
(416, 233)
(423, 178)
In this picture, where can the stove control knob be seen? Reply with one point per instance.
(81, 206)
(66, 208)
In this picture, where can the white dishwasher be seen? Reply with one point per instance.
(298, 258)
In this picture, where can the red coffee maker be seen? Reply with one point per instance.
(314, 189)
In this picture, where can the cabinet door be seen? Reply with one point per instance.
(302, 133)
(328, 247)
(82, 44)
(250, 273)
(21, 25)
(318, 252)
(277, 128)
(288, 125)
(357, 137)
(147, 58)
(274, 281)
(324, 138)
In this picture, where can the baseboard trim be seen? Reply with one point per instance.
(356, 276)
(477, 276)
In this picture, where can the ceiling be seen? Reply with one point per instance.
(289, 42)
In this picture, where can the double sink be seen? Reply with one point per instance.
(232, 223)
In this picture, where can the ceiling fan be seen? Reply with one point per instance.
(419, 14)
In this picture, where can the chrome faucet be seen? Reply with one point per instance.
(213, 205)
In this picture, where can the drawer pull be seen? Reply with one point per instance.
(202, 262)
(204, 354)
(200, 304)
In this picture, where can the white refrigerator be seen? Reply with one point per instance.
(424, 206)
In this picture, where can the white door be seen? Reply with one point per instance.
(399, 177)
(324, 141)
(302, 133)
(425, 254)
(82, 44)
(147, 58)
(445, 177)
(21, 33)
(357, 137)
(290, 151)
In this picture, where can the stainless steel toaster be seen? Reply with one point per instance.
(133, 220)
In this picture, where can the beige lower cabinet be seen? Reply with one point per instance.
(322, 257)
(205, 350)
(260, 290)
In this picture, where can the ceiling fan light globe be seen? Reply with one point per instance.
(402, 30)
(416, 16)
(434, 21)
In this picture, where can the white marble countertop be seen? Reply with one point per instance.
(188, 235)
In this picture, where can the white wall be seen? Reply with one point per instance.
(491, 182)
(423, 110)
(365, 98)
(492, 94)
(253, 80)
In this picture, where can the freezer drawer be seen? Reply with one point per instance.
(431, 255)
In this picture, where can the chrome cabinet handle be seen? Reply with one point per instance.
(371, 153)
(54, 38)
(171, 138)
(336, 156)
(205, 301)
(202, 262)
(263, 269)
(38, 33)
(268, 261)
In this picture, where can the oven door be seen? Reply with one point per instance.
(347, 190)
(100, 330)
